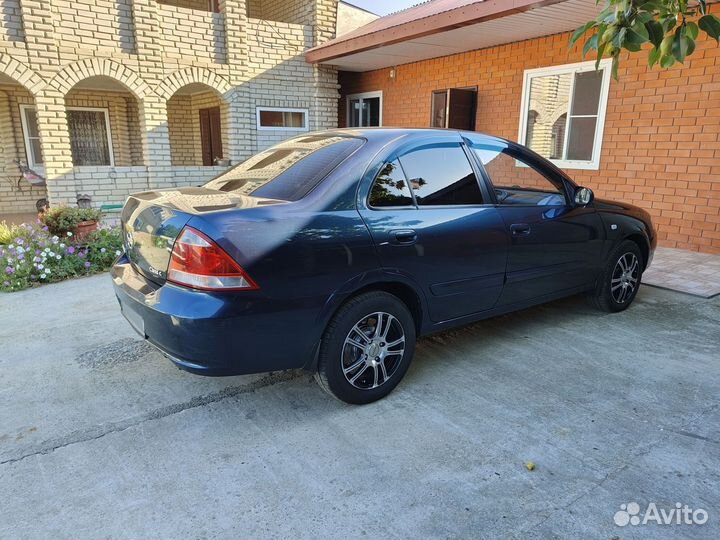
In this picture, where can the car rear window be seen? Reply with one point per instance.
(289, 170)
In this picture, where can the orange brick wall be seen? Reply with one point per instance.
(661, 146)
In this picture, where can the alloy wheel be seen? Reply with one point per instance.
(624, 278)
(373, 350)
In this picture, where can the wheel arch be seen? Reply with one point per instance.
(404, 291)
(643, 243)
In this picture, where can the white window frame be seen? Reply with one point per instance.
(580, 67)
(361, 96)
(106, 112)
(37, 167)
(282, 109)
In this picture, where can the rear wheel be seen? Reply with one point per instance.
(366, 348)
(620, 280)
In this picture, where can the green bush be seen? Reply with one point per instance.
(63, 219)
(35, 256)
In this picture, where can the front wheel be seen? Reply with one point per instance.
(366, 348)
(620, 280)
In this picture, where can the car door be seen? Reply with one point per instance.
(433, 223)
(555, 245)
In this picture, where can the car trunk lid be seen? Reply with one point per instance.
(153, 220)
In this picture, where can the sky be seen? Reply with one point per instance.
(383, 7)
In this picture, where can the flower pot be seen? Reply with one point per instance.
(83, 229)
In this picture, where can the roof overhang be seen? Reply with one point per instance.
(473, 25)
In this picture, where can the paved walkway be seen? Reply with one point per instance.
(684, 271)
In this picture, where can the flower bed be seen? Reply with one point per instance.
(31, 255)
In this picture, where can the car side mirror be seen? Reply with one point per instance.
(583, 196)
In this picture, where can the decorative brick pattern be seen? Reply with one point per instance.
(153, 65)
(660, 147)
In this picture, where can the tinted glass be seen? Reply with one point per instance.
(441, 175)
(390, 188)
(515, 181)
(289, 170)
(371, 111)
(282, 119)
(582, 138)
(586, 98)
(439, 105)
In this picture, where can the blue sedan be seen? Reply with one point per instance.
(333, 251)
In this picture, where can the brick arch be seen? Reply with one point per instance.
(192, 75)
(21, 73)
(73, 73)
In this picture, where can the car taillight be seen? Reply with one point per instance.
(198, 262)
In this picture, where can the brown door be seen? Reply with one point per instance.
(211, 135)
(461, 109)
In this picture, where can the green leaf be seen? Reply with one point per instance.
(655, 32)
(692, 30)
(710, 24)
(580, 31)
(620, 37)
(590, 44)
(680, 46)
(609, 34)
(615, 65)
(690, 46)
(654, 57)
(668, 23)
(640, 30)
(667, 60)
(601, 51)
(666, 45)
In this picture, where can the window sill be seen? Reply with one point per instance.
(577, 165)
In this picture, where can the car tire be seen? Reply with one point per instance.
(366, 349)
(620, 279)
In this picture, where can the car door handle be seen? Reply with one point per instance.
(404, 236)
(520, 229)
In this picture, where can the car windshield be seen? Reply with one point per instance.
(289, 170)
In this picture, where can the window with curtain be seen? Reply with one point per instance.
(89, 137)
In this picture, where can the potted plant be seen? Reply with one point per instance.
(79, 221)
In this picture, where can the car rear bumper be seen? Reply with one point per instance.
(215, 334)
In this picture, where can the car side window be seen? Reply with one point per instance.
(515, 181)
(390, 188)
(441, 175)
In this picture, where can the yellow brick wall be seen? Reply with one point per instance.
(181, 126)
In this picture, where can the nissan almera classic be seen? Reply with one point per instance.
(333, 251)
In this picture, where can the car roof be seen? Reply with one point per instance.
(387, 134)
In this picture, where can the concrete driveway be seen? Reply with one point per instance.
(101, 437)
